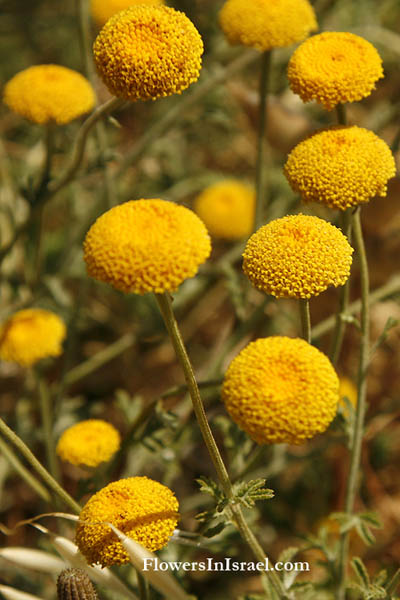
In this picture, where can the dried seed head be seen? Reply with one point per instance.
(74, 584)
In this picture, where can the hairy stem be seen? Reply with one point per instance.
(304, 305)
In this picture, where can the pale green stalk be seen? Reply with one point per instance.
(46, 412)
(304, 305)
(38, 467)
(165, 305)
(262, 121)
(354, 474)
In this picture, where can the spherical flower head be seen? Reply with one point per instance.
(281, 390)
(146, 246)
(46, 93)
(102, 10)
(266, 24)
(143, 509)
(148, 52)
(334, 67)
(297, 256)
(88, 443)
(340, 167)
(227, 209)
(30, 335)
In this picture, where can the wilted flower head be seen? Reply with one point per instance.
(297, 256)
(45, 93)
(141, 508)
(30, 335)
(88, 443)
(227, 209)
(102, 10)
(281, 390)
(147, 52)
(266, 24)
(146, 246)
(334, 67)
(340, 167)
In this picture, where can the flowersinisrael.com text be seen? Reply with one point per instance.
(227, 564)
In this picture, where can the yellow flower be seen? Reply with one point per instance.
(88, 443)
(281, 390)
(143, 509)
(227, 209)
(334, 67)
(340, 167)
(102, 10)
(31, 334)
(46, 93)
(146, 246)
(297, 256)
(147, 52)
(266, 24)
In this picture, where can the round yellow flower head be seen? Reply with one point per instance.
(281, 390)
(146, 246)
(45, 93)
(227, 209)
(334, 67)
(266, 24)
(147, 52)
(143, 509)
(102, 10)
(340, 167)
(88, 443)
(30, 335)
(297, 256)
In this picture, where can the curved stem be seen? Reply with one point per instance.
(164, 303)
(262, 121)
(38, 467)
(353, 480)
(341, 114)
(304, 304)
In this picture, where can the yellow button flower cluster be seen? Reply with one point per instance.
(88, 443)
(334, 67)
(146, 246)
(340, 167)
(143, 509)
(102, 10)
(297, 256)
(45, 93)
(266, 24)
(281, 390)
(30, 335)
(147, 52)
(227, 209)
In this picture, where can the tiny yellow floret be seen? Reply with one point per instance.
(46, 93)
(89, 443)
(340, 167)
(146, 246)
(267, 24)
(334, 67)
(143, 509)
(148, 52)
(30, 335)
(227, 209)
(297, 256)
(102, 10)
(281, 390)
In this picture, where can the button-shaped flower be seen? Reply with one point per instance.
(88, 443)
(143, 509)
(102, 10)
(281, 390)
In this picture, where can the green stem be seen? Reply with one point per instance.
(23, 471)
(353, 480)
(340, 325)
(38, 467)
(143, 587)
(341, 114)
(46, 412)
(304, 305)
(262, 122)
(165, 305)
(392, 585)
